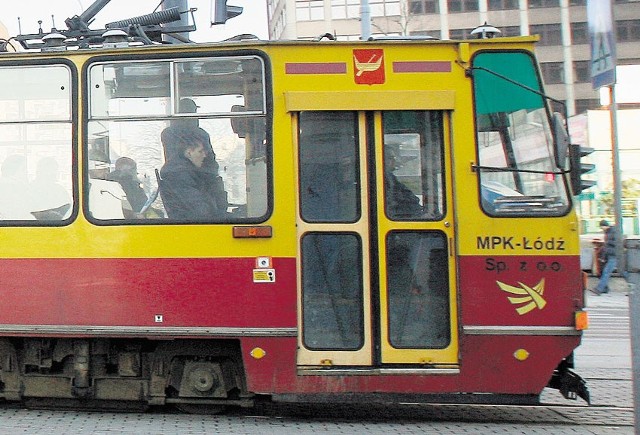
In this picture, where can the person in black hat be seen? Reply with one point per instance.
(171, 138)
(607, 256)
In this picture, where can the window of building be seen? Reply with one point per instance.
(384, 8)
(552, 72)
(500, 5)
(343, 9)
(424, 6)
(628, 30)
(587, 104)
(510, 30)
(460, 33)
(177, 141)
(431, 33)
(309, 10)
(582, 71)
(550, 34)
(462, 5)
(534, 4)
(579, 33)
(577, 2)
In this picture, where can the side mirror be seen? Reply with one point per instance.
(562, 141)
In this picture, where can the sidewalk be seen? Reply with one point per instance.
(618, 295)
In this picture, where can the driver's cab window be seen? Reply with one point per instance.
(517, 166)
(177, 141)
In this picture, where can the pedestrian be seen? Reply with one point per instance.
(607, 256)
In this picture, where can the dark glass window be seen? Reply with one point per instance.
(424, 6)
(332, 289)
(462, 5)
(413, 165)
(329, 183)
(418, 289)
(499, 5)
(628, 30)
(552, 72)
(582, 71)
(550, 34)
(579, 33)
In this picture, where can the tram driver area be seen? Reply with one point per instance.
(197, 155)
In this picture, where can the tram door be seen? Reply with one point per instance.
(375, 234)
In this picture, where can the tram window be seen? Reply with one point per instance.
(36, 169)
(332, 289)
(413, 165)
(329, 183)
(517, 171)
(218, 102)
(418, 289)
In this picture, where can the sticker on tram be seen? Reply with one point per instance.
(528, 297)
(264, 275)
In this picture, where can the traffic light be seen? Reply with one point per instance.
(222, 12)
(578, 168)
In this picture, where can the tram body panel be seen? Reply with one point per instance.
(316, 282)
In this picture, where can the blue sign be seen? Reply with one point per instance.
(603, 43)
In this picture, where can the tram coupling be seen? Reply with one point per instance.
(570, 384)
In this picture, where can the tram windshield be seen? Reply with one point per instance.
(181, 140)
(517, 169)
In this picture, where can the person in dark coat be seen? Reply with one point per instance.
(186, 193)
(170, 138)
(608, 256)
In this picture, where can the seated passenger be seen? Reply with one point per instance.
(126, 173)
(49, 199)
(14, 199)
(188, 193)
(106, 198)
(170, 138)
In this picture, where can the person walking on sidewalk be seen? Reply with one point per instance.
(608, 257)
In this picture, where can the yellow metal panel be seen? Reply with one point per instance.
(370, 100)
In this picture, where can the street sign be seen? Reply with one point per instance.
(602, 41)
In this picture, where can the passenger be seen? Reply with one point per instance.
(186, 193)
(107, 200)
(170, 138)
(401, 202)
(49, 199)
(126, 173)
(14, 199)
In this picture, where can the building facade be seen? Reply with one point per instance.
(563, 50)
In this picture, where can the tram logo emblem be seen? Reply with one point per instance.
(528, 298)
(368, 66)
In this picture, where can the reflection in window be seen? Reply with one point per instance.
(189, 146)
(329, 183)
(518, 172)
(35, 144)
(418, 290)
(413, 165)
(332, 301)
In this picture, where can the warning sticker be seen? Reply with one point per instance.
(264, 275)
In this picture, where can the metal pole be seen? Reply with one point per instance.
(365, 20)
(633, 268)
(617, 181)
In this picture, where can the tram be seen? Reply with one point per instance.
(396, 223)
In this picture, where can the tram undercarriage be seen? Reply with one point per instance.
(196, 376)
